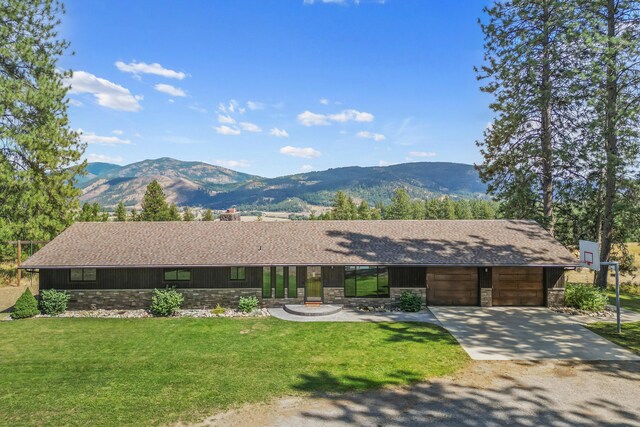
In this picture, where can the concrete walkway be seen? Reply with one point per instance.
(351, 315)
(518, 333)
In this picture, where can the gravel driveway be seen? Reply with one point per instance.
(489, 393)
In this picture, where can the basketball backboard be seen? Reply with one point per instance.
(590, 254)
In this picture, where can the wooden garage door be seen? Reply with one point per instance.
(517, 286)
(452, 286)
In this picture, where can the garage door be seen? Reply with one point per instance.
(452, 286)
(517, 286)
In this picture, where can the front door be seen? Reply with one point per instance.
(313, 288)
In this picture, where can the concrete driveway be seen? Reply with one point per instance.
(519, 333)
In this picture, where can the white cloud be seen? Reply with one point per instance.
(306, 152)
(253, 105)
(226, 130)
(231, 107)
(106, 93)
(279, 133)
(170, 90)
(308, 118)
(197, 108)
(117, 132)
(249, 127)
(420, 154)
(226, 119)
(75, 102)
(384, 163)
(324, 101)
(232, 163)
(137, 68)
(103, 158)
(92, 138)
(306, 168)
(312, 119)
(370, 135)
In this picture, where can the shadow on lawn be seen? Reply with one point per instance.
(497, 398)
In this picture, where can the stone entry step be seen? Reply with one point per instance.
(312, 310)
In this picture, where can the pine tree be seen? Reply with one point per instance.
(418, 210)
(341, 209)
(173, 214)
(528, 73)
(400, 207)
(432, 208)
(39, 152)
(154, 204)
(352, 209)
(463, 210)
(121, 212)
(187, 215)
(208, 215)
(364, 212)
(447, 209)
(134, 214)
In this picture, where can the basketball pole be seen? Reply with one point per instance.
(617, 268)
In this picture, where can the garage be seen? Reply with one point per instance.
(452, 286)
(517, 286)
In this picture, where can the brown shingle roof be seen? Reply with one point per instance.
(140, 244)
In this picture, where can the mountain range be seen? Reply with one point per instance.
(216, 187)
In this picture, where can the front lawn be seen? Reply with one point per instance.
(160, 371)
(628, 300)
(629, 338)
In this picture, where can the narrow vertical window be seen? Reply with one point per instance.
(293, 283)
(279, 283)
(266, 282)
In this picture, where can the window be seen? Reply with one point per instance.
(238, 273)
(279, 283)
(177, 275)
(83, 275)
(366, 282)
(293, 291)
(266, 282)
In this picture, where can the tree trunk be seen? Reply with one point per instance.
(611, 137)
(545, 131)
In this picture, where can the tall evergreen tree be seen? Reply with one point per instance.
(154, 204)
(364, 212)
(400, 207)
(39, 152)
(208, 215)
(341, 208)
(121, 212)
(173, 214)
(187, 215)
(527, 73)
(134, 214)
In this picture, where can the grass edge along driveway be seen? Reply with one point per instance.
(629, 338)
(161, 371)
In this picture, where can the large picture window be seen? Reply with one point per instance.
(238, 273)
(177, 275)
(82, 275)
(366, 282)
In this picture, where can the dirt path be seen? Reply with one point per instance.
(550, 393)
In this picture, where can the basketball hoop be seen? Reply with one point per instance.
(590, 255)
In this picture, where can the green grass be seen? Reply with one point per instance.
(629, 338)
(627, 300)
(160, 371)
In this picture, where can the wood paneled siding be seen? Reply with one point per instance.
(333, 277)
(150, 278)
(553, 277)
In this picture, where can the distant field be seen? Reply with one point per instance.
(586, 276)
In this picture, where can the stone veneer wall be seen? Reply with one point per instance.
(486, 297)
(336, 296)
(141, 298)
(555, 297)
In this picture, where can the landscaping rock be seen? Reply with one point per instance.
(134, 314)
(606, 314)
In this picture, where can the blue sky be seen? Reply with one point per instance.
(274, 87)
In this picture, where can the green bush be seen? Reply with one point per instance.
(26, 306)
(410, 301)
(585, 297)
(53, 302)
(218, 310)
(247, 304)
(166, 302)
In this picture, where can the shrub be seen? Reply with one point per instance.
(166, 302)
(585, 297)
(26, 306)
(218, 310)
(247, 304)
(410, 301)
(53, 302)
